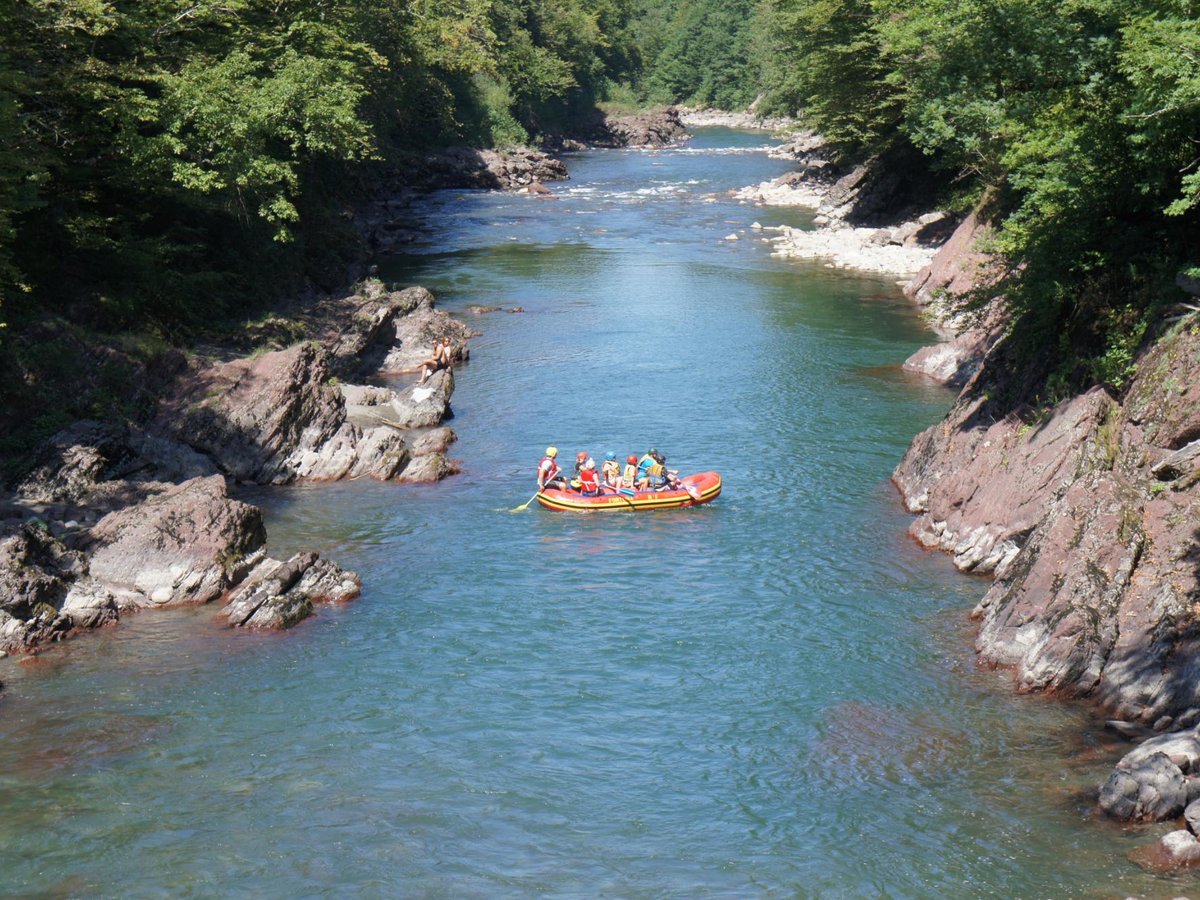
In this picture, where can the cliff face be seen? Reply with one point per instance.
(1088, 516)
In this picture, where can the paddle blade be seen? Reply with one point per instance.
(524, 506)
(692, 491)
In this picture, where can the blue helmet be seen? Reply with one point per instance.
(610, 455)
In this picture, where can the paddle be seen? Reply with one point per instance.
(525, 505)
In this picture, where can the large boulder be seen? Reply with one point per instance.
(1149, 791)
(186, 545)
(252, 415)
(412, 338)
(281, 417)
(372, 330)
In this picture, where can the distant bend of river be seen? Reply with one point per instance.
(773, 695)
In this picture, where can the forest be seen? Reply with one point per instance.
(165, 164)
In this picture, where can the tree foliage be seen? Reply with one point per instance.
(700, 52)
(1080, 119)
(156, 156)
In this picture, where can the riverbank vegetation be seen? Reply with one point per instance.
(1079, 122)
(168, 164)
(165, 165)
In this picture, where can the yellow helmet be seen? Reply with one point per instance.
(552, 452)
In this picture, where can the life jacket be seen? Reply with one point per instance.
(551, 470)
(629, 476)
(612, 471)
(589, 481)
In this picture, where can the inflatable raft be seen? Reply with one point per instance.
(704, 487)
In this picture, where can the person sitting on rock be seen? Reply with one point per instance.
(440, 358)
(549, 474)
(610, 472)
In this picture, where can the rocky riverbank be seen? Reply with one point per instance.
(1084, 512)
(119, 517)
(859, 224)
(644, 129)
(721, 118)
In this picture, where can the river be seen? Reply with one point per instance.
(773, 695)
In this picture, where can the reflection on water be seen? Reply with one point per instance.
(770, 695)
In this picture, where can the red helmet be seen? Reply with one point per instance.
(631, 459)
(581, 456)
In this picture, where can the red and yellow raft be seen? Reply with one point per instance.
(704, 487)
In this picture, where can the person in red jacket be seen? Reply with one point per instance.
(549, 474)
(589, 479)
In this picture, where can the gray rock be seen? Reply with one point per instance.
(1182, 748)
(427, 469)
(372, 329)
(89, 604)
(1181, 463)
(1150, 791)
(1192, 813)
(412, 340)
(277, 595)
(433, 440)
(1181, 847)
(70, 464)
(424, 406)
(381, 453)
(181, 546)
(267, 586)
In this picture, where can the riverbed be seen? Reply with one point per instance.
(774, 694)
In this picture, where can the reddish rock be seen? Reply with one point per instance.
(982, 486)
(958, 268)
(185, 545)
(1052, 614)
(944, 287)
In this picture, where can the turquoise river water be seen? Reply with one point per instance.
(773, 695)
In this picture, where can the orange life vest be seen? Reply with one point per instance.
(590, 481)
